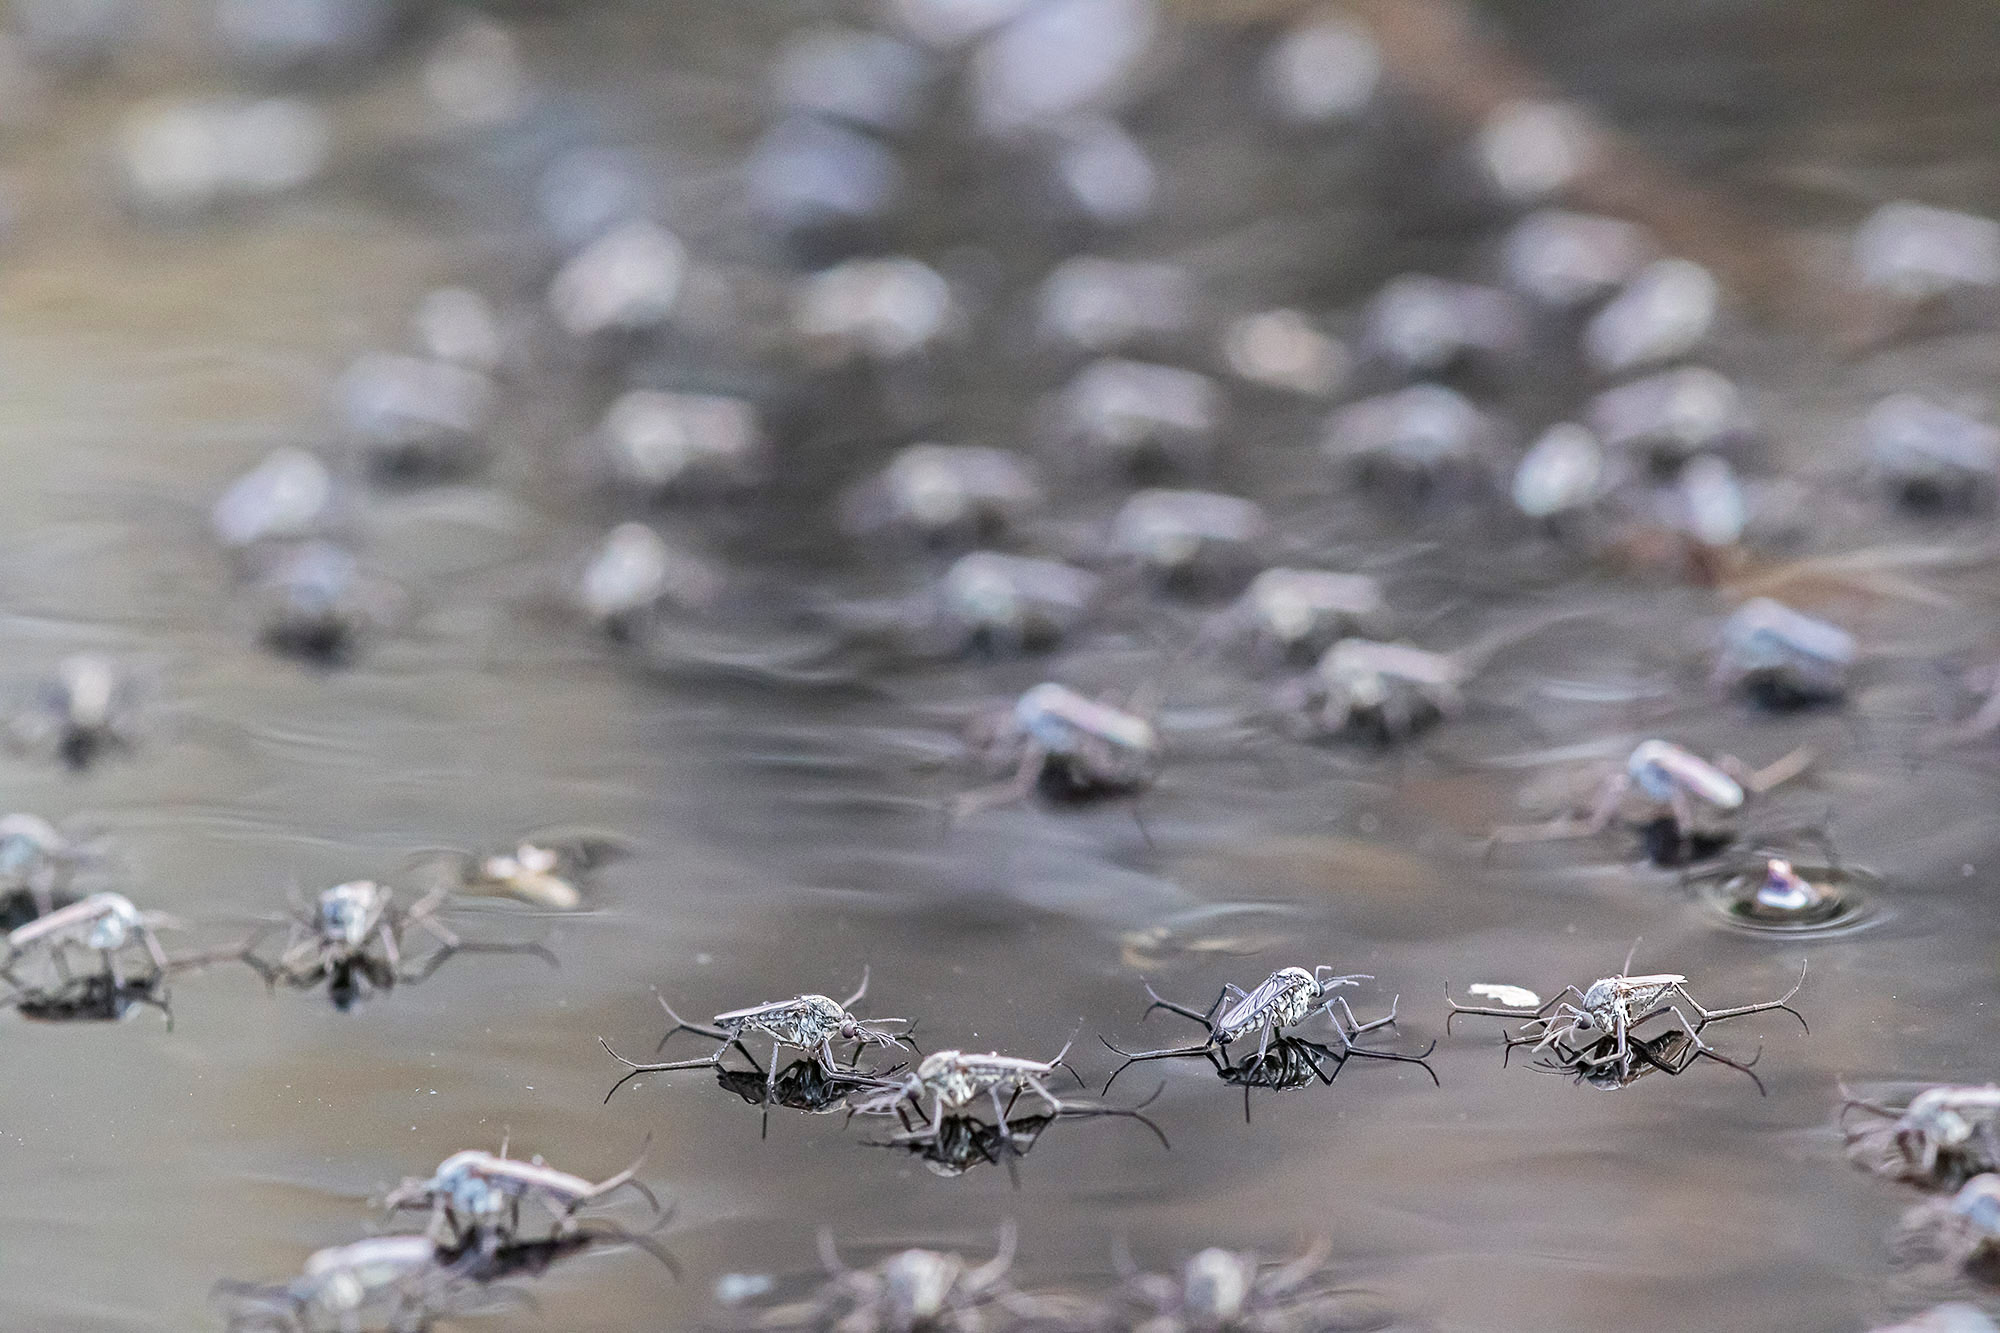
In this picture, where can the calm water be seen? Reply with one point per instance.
(789, 834)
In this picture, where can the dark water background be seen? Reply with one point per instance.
(790, 835)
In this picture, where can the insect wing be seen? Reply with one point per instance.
(755, 1015)
(1251, 1007)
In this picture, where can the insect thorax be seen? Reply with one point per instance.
(917, 1283)
(348, 912)
(955, 1078)
(1282, 1001)
(805, 1022)
(1215, 1285)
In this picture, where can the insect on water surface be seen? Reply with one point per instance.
(104, 924)
(911, 1290)
(1667, 777)
(811, 1023)
(1594, 1033)
(1285, 999)
(476, 1196)
(352, 936)
(1070, 747)
(1942, 1137)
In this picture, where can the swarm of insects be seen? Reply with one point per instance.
(351, 939)
(1594, 1035)
(1941, 1138)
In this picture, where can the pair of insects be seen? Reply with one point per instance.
(1596, 1034)
(950, 1081)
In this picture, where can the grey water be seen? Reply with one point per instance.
(788, 825)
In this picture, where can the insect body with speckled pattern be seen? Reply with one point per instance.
(1283, 1000)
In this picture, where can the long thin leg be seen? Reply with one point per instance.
(1782, 1002)
(1000, 1116)
(635, 1069)
(1041, 1089)
(438, 959)
(626, 1179)
(1603, 809)
(431, 924)
(1014, 789)
(682, 1025)
(1173, 1008)
(859, 991)
(1134, 1057)
(1349, 1048)
(154, 950)
(770, 1088)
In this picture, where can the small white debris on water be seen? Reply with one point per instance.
(1514, 997)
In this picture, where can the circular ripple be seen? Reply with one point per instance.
(1795, 900)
